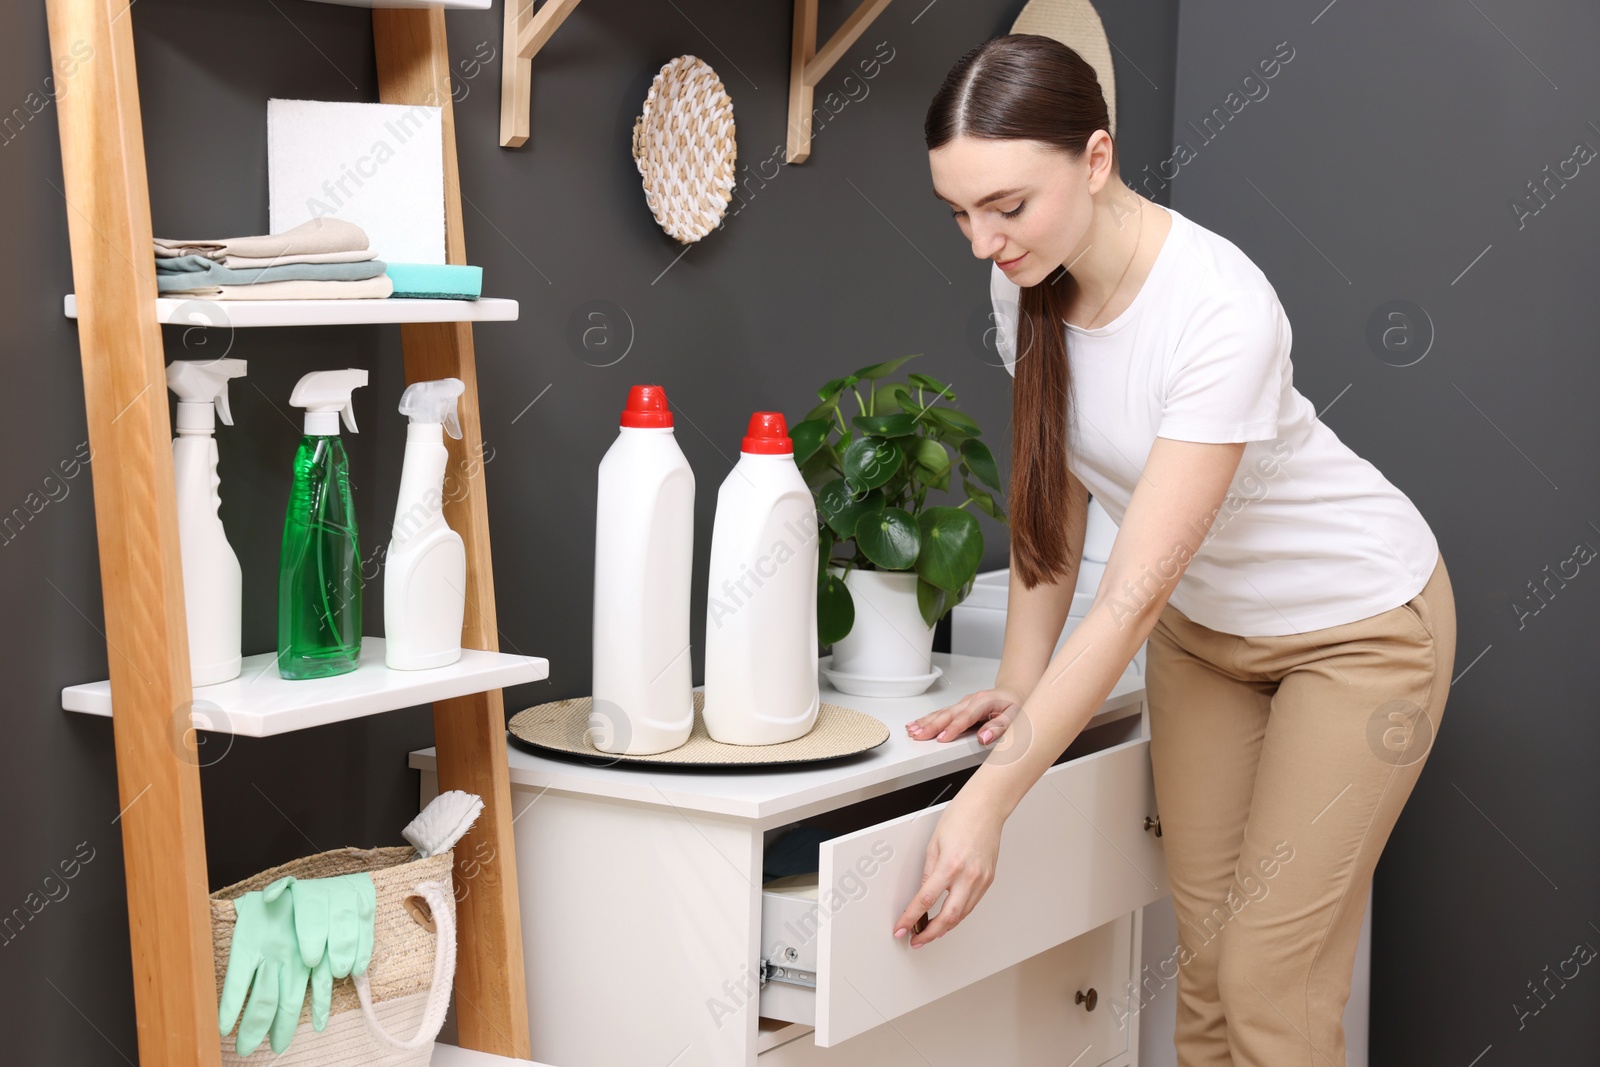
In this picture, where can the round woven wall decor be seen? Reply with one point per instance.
(683, 146)
(561, 728)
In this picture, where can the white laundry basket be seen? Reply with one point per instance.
(978, 623)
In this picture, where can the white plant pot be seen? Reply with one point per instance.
(889, 638)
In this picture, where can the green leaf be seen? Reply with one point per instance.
(824, 411)
(929, 382)
(980, 461)
(952, 599)
(884, 369)
(930, 601)
(949, 419)
(889, 538)
(892, 397)
(841, 508)
(832, 390)
(982, 498)
(824, 546)
(952, 547)
(870, 462)
(820, 469)
(836, 609)
(897, 425)
(931, 458)
(808, 437)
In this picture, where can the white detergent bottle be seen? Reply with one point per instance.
(643, 687)
(212, 583)
(425, 570)
(761, 617)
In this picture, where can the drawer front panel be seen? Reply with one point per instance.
(1074, 855)
(1027, 1015)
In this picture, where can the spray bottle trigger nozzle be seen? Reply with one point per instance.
(203, 384)
(348, 413)
(434, 402)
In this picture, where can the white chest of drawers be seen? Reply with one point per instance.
(642, 915)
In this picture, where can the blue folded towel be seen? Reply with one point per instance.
(195, 272)
(435, 281)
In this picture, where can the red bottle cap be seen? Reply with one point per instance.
(768, 435)
(647, 406)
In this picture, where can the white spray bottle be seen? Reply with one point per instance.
(212, 584)
(761, 610)
(643, 688)
(425, 572)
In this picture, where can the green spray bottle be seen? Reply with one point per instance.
(319, 571)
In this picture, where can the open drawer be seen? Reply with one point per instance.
(1074, 855)
(1066, 1007)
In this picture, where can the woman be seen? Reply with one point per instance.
(1300, 620)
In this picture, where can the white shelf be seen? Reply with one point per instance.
(259, 703)
(224, 313)
(448, 5)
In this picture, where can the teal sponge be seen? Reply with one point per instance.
(435, 281)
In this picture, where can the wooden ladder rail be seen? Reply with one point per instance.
(136, 518)
(469, 732)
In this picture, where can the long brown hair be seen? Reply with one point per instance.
(1029, 87)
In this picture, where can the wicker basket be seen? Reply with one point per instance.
(407, 985)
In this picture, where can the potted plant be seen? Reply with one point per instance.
(908, 561)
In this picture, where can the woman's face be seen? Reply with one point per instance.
(1023, 204)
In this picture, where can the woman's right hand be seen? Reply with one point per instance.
(995, 709)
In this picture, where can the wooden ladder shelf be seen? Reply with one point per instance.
(103, 162)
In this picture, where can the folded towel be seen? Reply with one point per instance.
(187, 273)
(436, 281)
(366, 289)
(325, 233)
(245, 262)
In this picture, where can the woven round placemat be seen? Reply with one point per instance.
(562, 727)
(1076, 24)
(684, 148)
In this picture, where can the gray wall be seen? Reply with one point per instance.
(1394, 142)
(1384, 160)
(840, 262)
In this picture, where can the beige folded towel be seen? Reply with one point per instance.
(322, 234)
(252, 262)
(365, 289)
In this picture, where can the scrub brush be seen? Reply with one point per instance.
(443, 822)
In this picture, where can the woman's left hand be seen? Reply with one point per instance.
(962, 857)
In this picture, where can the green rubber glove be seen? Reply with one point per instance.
(264, 959)
(333, 920)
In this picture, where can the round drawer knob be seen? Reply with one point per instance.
(1088, 1000)
(1153, 822)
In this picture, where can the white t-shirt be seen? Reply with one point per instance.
(1310, 534)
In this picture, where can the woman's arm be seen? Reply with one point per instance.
(1034, 618)
(1178, 495)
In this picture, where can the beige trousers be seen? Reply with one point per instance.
(1281, 765)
